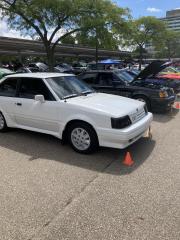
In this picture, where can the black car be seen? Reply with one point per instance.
(157, 96)
(150, 76)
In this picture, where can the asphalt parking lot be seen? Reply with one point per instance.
(49, 192)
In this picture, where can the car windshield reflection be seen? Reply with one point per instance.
(68, 87)
(124, 76)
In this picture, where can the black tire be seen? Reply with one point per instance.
(92, 142)
(143, 99)
(3, 125)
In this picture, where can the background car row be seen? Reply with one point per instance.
(156, 85)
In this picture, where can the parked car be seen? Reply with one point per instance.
(27, 70)
(170, 70)
(61, 105)
(4, 72)
(157, 96)
(171, 76)
(104, 66)
(64, 68)
(41, 66)
(79, 67)
(160, 78)
(150, 75)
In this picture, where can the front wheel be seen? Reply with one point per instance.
(3, 125)
(82, 138)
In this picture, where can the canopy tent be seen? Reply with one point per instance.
(110, 61)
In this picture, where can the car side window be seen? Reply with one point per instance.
(105, 79)
(8, 87)
(117, 80)
(89, 78)
(30, 87)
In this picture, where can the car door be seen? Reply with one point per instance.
(121, 88)
(108, 82)
(8, 91)
(30, 113)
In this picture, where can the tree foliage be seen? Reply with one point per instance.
(169, 45)
(143, 31)
(53, 21)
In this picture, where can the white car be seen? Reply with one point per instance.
(61, 105)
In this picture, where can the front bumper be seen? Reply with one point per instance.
(162, 104)
(122, 138)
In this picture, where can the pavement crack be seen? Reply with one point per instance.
(72, 199)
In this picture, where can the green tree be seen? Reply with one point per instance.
(69, 40)
(169, 46)
(143, 31)
(108, 19)
(53, 21)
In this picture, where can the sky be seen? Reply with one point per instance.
(155, 8)
(138, 8)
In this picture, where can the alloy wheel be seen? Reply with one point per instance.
(80, 139)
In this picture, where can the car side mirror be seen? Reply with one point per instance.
(39, 98)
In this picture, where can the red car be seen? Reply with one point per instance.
(170, 76)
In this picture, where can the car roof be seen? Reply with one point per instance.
(39, 75)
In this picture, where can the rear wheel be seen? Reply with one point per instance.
(82, 137)
(144, 99)
(3, 125)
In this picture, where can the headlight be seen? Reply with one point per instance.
(163, 94)
(120, 123)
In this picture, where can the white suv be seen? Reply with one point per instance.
(61, 105)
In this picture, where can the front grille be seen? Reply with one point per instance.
(138, 115)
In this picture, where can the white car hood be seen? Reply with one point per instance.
(113, 105)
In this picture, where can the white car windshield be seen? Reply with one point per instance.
(68, 87)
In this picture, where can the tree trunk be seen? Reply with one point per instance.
(140, 57)
(50, 58)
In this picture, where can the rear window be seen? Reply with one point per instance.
(89, 78)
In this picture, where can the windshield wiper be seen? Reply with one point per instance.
(70, 96)
(77, 95)
(87, 92)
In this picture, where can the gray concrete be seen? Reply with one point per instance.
(49, 192)
(25, 47)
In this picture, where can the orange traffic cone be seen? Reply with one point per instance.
(128, 161)
(177, 105)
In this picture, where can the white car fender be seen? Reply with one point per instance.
(79, 117)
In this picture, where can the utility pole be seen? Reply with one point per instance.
(96, 37)
(96, 48)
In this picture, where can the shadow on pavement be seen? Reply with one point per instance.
(166, 117)
(140, 151)
(44, 147)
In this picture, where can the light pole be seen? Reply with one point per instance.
(96, 37)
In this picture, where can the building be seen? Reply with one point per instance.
(172, 19)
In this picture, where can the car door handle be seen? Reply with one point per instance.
(18, 104)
